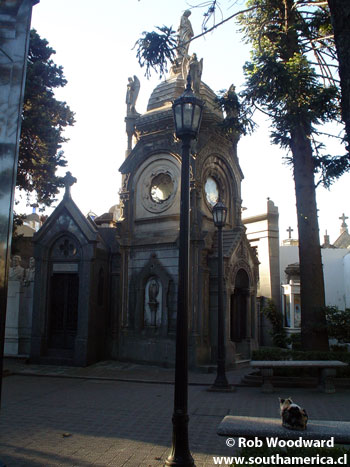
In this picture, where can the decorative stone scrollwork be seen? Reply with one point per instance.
(243, 252)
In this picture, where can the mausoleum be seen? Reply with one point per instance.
(107, 288)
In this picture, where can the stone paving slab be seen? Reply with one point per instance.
(99, 416)
(54, 421)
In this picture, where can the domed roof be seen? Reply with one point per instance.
(169, 90)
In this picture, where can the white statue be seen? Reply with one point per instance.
(185, 34)
(16, 270)
(133, 88)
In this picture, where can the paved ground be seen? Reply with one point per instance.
(103, 415)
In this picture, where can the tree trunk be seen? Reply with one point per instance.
(313, 321)
(340, 16)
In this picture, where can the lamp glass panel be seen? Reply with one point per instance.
(178, 117)
(218, 215)
(188, 108)
(196, 117)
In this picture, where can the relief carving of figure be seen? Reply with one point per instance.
(151, 315)
(16, 270)
(153, 291)
(133, 88)
(195, 69)
(30, 272)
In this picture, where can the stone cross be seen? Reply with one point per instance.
(343, 218)
(290, 230)
(68, 181)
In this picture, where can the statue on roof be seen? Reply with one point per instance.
(133, 88)
(185, 34)
(195, 69)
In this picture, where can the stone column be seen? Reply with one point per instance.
(25, 319)
(14, 300)
(15, 16)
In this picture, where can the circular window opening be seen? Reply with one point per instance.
(211, 191)
(162, 187)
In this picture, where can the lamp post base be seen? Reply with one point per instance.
(180, 452)
(180, 460)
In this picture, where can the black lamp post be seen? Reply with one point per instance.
(221, 383)
(187, 111)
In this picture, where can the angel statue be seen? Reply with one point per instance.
(195, 69)
(133, 88)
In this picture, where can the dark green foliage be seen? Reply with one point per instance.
(237, 119)
(281, 80)
(338, 348)
(331, 167)
(275, 317)
(295, 341)
(154, 50)
(290, 93)
(338, 323)
(43, 121)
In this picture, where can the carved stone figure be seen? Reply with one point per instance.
(30, 272)
(133, 88)
(231, 95)
(153, 291)
(195, 69)
(16, 270)
(185, 34)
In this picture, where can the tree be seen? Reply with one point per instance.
(340, 16)
(44, 119)
(282, 81)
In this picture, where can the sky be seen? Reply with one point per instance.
(94, 43)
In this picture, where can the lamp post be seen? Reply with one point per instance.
(221, 383)
(187, 110)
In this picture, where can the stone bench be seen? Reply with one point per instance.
(327, 371)
(260, 427)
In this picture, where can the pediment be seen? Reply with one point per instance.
(67, 217)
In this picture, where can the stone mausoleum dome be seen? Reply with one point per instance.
(167, 91)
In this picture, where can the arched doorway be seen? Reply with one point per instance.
(239, 308)
(63, 299)
(63, 320)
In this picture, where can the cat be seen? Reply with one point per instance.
(293, 416)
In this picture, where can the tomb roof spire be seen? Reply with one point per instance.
(68, 181)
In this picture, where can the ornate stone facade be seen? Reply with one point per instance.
(139, 256)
